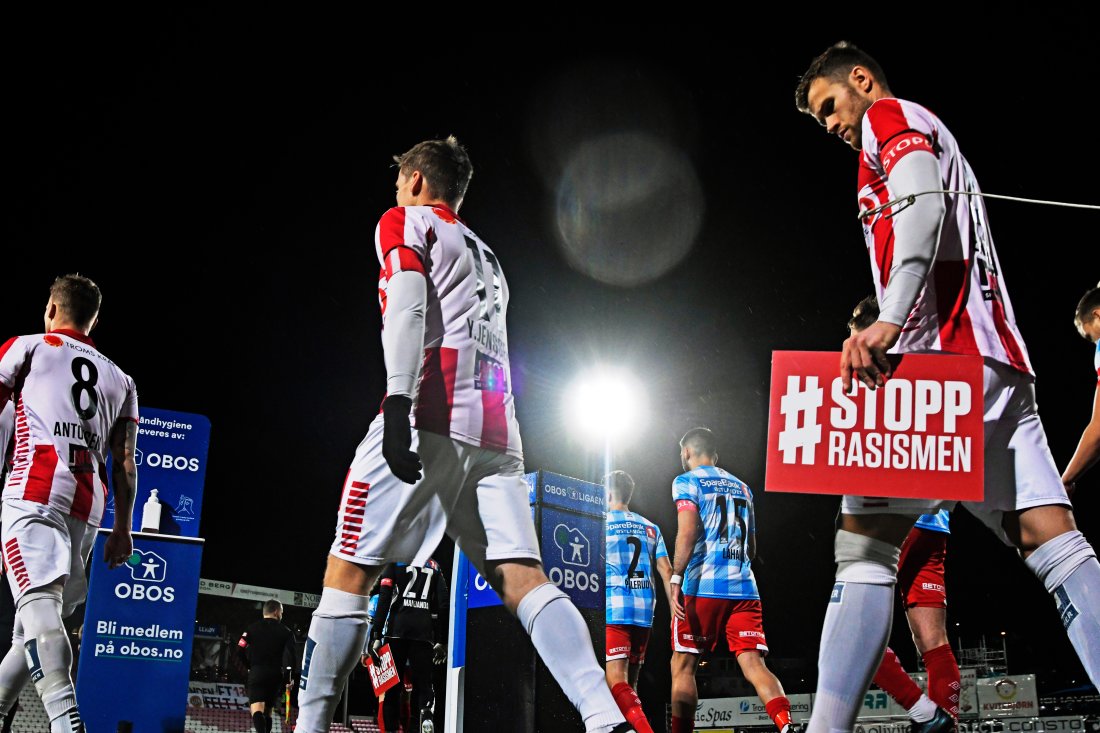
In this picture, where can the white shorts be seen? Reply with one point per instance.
(44, 546)
(1020, 472)
(476, 496)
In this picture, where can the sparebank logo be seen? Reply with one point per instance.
(147, 566)
(575, 547)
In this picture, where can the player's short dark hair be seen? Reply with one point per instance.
(1089, 302)
(443, 163)
(835, 63)
(701, 441)
(78, 297)
(272, 607)
(620, 486)
(864, 314)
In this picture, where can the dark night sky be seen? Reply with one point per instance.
(220, 178)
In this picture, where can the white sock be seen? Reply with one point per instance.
(50, 657)
(1068, 568)
(14, 672)
(923, 710)
(561, 638)
(853, 639)
(335, 639)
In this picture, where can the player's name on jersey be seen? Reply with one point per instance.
(76, 430)
(415, 603)
(639, 583)
(487, 337)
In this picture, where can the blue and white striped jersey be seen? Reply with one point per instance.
(719, 565)
(633, 546)
(938, 522)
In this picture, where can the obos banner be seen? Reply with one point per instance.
(573, 556)
(171, 458)
(139, 622)
(919, 436)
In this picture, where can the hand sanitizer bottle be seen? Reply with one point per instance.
(150, 514)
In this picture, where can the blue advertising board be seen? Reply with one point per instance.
(171, 458)
(565, 492)
(139, 622)
(573, 555)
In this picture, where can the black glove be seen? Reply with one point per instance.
(397, 437)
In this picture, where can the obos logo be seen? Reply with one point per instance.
(166, 460)
(146, 567)
(575, 550)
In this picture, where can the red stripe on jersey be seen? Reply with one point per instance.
(82, 497)
(391, 230)
(403, 259)
(494, 423)
(6, 346)
(952, 279)
(437, 390)
(684, 505)
(40, 481)
(1008, 340)
(14, 560)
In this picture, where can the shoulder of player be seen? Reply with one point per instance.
(887, 118)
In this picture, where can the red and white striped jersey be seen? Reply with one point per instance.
(465, 384)
(964, 307)
(67, 397)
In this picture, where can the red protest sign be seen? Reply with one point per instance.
(920, 436)
(383, 675)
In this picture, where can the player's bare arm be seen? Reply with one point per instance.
(688, 529)
(664, 569)
(1088, 448)
(120, 545)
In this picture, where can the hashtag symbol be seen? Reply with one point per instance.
(796, 403)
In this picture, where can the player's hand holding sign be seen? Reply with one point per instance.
(865, 355)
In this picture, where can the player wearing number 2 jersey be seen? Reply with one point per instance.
(72, 406)
(636, 556)
(715, 544)
(448, 428)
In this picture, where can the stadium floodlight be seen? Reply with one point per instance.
(605, 405)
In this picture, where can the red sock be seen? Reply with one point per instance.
(943, 678)
(892, 679)
(779, 710)
(683, 725)
(631, 707)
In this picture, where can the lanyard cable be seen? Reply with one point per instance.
(911, 199)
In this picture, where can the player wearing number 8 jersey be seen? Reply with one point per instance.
(448, 427)
(72, 406)
(715, 544)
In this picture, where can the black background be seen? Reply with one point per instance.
(220, 177)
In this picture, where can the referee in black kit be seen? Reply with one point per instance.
(267, 649)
